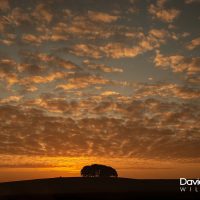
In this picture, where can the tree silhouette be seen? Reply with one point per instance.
(96, 170)
(86, 171)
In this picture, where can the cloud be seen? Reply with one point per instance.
(92, 25)
(178, 63)
(194, 79)
(43, 79)
(51, 105)
(11, 99)
(37, 20)
(38, 39)
(159, 12)
(7, 65)
(31, 132)
(18, 17)
(4, 5)
(102, 17)
(109, 93)
(30, 38)
(2, 26)
(36, 68)
(37, 62)
(112, 50)
(30, 68)
(153, 39)
(67, 80)
(86, 51)
(9, 39)
(83, 82)
(7, 71)
(66, 64)
(191, 1)
(167, 90)
(30, 88)
(159, 33)
(41, 13)
(11, 79)
(102, 67)
(193, 44)
(116, 50)
(53, 34)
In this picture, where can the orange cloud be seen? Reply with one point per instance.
(82, 26)
(167, 90)
(144, 42)
(101, 17)
(18, 16)
(109, 93)
(42, 135)
(7, 71)
(83, 82)
(38, 39)
(44, 79)
(178, 63)
(43, 59)
(193, 44)
(159, 12)
(11, 99)
(117, 50)
(41, 13)
(30, 38)
(159, 33)
(4, 5)
(102, 67)
(86, 50)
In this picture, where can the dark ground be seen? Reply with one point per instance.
(93, 188)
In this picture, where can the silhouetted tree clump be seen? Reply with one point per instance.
(97, 170)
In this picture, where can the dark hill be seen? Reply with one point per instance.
(91, 188)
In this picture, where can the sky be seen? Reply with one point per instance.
(99, 81)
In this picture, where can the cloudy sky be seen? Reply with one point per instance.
(99, 81)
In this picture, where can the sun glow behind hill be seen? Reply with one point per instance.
(34, 167)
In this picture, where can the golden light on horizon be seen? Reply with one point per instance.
(33, 167)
